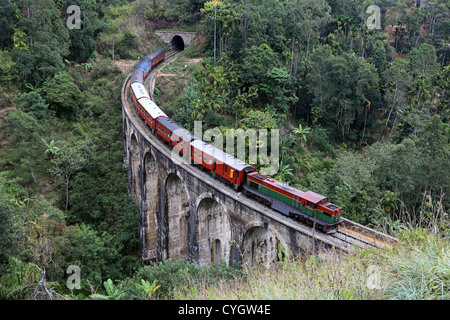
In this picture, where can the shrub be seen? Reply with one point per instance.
(176, 275)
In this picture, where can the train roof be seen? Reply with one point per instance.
(143, 64)
(313, 197)
(148, 59)
(151, 108)
(155, 53)
(176, 128)
(219, 155)
(139, 90)
(137, 76)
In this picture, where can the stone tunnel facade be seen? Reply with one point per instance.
(186, 214)
(176, 40)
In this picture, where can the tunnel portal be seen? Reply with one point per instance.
(177, 43)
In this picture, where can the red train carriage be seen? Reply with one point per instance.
(160, 54)
(138, 92)
(174, 134)
(223, 164)
(149, 111)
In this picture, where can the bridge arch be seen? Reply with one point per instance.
(214, 230)
(261, 245)
(175, 237)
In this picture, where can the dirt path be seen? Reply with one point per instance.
(160, 74)
(125, 65)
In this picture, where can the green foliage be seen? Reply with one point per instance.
(148, 288)
(18, 279)
(424, 61)
(258, 60)
(173, 277)
(8, 77)
(341, 86)
(397, 81)
(259, 120)
(112, 292)
(9, 207)
(379, 56)
(302, 132)
(62, 95)
(421, 271)
(33, 104)
(93, 253)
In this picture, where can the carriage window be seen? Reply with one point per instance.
(309, 204)
(204, 158)
(210, 161)
(225, 168)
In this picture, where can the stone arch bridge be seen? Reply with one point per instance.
(186, 214)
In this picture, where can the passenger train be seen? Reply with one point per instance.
(307, 206)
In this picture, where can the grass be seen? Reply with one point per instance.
(170, 86)
(418, 269)
(421, 269)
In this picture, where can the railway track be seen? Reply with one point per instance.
(152, 77)
(173, 53)
(349, 235)
(354, 240)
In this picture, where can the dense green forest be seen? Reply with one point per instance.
(363, 116)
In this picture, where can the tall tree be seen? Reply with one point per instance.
(62, 95)
(424, 61)
(72, 158)
(397, 81)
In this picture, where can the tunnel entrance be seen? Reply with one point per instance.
(177, 43)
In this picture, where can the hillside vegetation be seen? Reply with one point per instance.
(363, 117)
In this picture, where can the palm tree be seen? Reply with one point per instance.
(302, 132)
(284, 172)
(51, 147)
(147, 287)
(112, 292)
